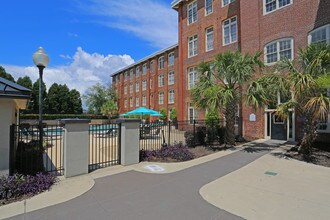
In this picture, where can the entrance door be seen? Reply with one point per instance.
(278, 128)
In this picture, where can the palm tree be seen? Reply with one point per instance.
(219, 86)
(304, 84)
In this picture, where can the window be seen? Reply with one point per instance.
(125, 103)
(161, 98)
(192, 46)
(208, 7)
(229, 30)
(171, 78)
(144, 85)
(278, 50)
(161, 63)
(126, 76)
(118, 78)
(131, 74)
(171, 59)
(137, 71)
(192, 77)
(161, 80)
(192, 12)
(151, 66)
(192, 114)
(130, 101)
(150, 83)
(320, 35)
(273, 5)
(137, 86)
(144, 69)
(137, 101)
(209, 38)
(125, 89)
(131, 88)
(144, 100)
(227, 2)
(171, 96)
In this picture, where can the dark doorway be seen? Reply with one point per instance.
(278, 128)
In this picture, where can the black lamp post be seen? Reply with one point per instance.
(41, 60)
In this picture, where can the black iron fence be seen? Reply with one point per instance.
(27, 156)
(104, 145)
(190, 132)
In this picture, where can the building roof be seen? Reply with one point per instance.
(175, 3)
(12, 90)
(145, 59)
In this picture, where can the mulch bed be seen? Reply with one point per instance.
(320, 155)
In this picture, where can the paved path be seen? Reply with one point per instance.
(135, 195)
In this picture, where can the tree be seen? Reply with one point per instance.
(219, 86)
(109, 108)
(304, 85)
(97, 95)
(6, 75)
(25, 81)
(53, 102)
(75, 104)
(35, 97)
(164, 114)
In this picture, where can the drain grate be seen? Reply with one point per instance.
(269, 173)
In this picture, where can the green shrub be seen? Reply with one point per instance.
(200, 135)
(62, 116)
(190, 138)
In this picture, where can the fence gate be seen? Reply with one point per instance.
(104, 146)
(26, 156)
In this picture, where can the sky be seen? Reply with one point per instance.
(86, 40)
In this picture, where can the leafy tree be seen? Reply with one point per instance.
(109, 108)
(219, 86)
(53, 102)
(35, 97)
(304, 84)
(164, 114)
(75, 104)
(25, 81)
(97, 95)
(6, 75)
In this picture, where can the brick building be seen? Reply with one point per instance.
(278, 28)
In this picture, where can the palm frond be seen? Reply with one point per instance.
(318, 107)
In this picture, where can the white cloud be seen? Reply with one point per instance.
(150, 20)
(84, 71)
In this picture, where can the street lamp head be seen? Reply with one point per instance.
(40, 58)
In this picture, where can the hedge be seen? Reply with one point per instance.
(61, 116)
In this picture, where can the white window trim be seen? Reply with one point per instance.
(278, 52)
(224, 5)
(170, 82)
(144, 100)
(137, 87)
(193, 40)
(144, 85)
(206, 34)
(168, 59)
(144, 67)
(159, 99)
(159, 80)
(277, 7)
(151, 66)
(206, 14)
(193, 72)
(326, 27)
(137, 101)
(169, 96)
(193, 13)
(160, 67)
(223, 31)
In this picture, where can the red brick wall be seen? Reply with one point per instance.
(203, 22)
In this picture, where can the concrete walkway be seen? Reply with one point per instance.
(127, 193)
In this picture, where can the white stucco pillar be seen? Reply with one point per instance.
(76, 146)
(129, 142)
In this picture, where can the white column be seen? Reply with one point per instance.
(76, 146)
